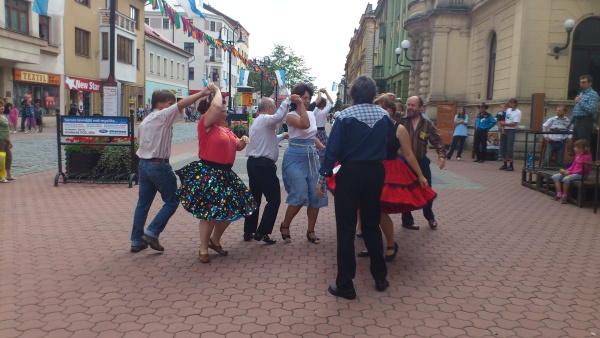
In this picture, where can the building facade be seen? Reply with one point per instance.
(363, 48)
(31, 60)
(159, 52)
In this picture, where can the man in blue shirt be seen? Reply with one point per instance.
(358, 142)
(584, 111)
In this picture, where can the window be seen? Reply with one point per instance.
(82, 42)
(172, 68)
(137, 59)
(151, 66)
(191, 73)
(165, 24)
(177, 69)
(147, 21)
(183, 72)
(158, 65)
(124, 50)
(189, 47)
(212, 54)
(44, 27)
(108, 4)
(165, 66)
(491, 68)
(134, 14)
(213, 26)
(83, 2)
(215, 74)
(17, 15)
(105, 46)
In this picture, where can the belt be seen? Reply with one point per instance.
(320, 128)
(264, 158)
(157, 160)
(557, 141)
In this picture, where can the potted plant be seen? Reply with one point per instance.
(239, 130)
(117, 159)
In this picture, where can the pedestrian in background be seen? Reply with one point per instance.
(30, 115)
(5, 146)
(321, 111)
(556, 144)
(460, 133)
(585, 110)
(507, 140)
(13, 116)
(483, 123)
(38, 113)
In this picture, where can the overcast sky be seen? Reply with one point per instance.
(318, 30)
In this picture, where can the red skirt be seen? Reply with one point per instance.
(402, 191)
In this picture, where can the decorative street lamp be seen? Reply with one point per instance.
(405, 44)
(231, 42)
(569, 24)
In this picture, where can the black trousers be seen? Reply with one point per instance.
(23, 118)
(582, 129)
(407, 217)
(263, 180)
(358, 184)
(480, 143)
(456, 141)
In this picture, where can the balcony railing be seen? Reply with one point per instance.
(121, 21)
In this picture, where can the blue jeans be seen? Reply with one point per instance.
(557, 148)
(154, 177)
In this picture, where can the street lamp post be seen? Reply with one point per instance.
(231, 42)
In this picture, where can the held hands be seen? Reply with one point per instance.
(323, 90)
(295, 98)
(285, 135)
(245, 139)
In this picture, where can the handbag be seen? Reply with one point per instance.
(2, 164)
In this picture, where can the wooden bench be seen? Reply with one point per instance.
(578, 193)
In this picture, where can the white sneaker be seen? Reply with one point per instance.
(27, 132)
(458, 158)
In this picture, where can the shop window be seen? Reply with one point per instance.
(124, 50)
(44, 27)
(105, 46)
(17, 15)
(585, 55)
(82, 42)
(491, 68)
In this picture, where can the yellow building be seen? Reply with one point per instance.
(87, 54)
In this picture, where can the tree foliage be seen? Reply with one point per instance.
(285, 58)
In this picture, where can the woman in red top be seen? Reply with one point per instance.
(210, 190)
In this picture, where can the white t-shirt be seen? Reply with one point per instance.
(263, 138)
(321, 115)
(156, 133)
(303, 134)
(513, 116)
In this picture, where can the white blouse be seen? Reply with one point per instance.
(303, 133)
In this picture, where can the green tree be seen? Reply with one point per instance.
(285, 58)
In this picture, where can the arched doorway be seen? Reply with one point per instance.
(585, 55)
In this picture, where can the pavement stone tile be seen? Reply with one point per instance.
(520, 273)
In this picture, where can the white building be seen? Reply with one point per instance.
(166, 65)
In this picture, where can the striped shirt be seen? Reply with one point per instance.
(425, 131)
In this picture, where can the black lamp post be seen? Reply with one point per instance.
(240, 40)
(260, 63)
(569, 24)
(405, 44)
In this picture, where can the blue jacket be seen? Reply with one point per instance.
(485, 121)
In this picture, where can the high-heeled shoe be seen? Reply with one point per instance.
(389, 258)
(217, 248)
(314, 240)
(287, 238)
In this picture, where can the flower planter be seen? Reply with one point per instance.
(79, 164)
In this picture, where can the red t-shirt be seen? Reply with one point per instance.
(218, 145)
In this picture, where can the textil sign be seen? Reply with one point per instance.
(27, 76)
(82, 85)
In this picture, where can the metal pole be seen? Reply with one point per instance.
(113, 4)
(261, 84)
(229, 103)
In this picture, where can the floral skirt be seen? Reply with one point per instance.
(212, 191)
(402, 191)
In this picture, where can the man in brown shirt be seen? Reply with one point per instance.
(421, 131)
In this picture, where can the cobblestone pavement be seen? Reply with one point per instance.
(506, 261)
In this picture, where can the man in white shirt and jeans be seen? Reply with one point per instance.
(155, 136)
(262, 153)
(556, 143)
(507, 140)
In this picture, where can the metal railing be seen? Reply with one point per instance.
(121, 21)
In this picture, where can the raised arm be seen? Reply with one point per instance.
(301, 121)
(216, 106)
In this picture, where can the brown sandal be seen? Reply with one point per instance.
(217, 248)
(204, 258)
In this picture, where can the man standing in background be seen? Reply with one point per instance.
(584, 111)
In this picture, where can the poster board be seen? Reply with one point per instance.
(445, 120)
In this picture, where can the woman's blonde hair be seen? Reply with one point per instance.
(386, 100)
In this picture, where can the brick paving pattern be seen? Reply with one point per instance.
(506, 261)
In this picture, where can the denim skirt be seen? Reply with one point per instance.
(300, 171)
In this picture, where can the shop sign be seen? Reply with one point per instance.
(94, 126)
(82, 85)
(26, 76)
